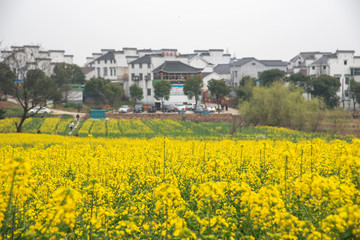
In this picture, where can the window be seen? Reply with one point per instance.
(324, 67)
(114, 71)
(148, 76)
(253, 64)
(149, 91)
(133, 76)
(111, 71)
(299, 62)
(235, 73)
(140, 65)
(98, 61)
(347, 81)
(105, 71)
(313, 67)
(259, 73)
(140, 76)
(148, 65)
(98, 71)
(105, 60)
(345, 62)
(132, 65)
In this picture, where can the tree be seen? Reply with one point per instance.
(7, 79)
(192, 87)
(219, 89)
(355, 92)
(326, 87)
(31, 86)
(96, 88)
(244, 91)
(33, 91)
(103, 90)
(113, 92)
(162, 91)
(136, 93)
(270, 76)
(300, 80)
(66, 74)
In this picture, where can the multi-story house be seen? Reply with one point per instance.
(111, 64)
(23, 58)
(253, 68)
(27, 57)
(162, 64)
(300, 62)
(343, 65)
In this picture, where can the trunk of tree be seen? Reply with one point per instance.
(19, 126)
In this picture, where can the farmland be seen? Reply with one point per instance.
(147, 129)
(195, 182)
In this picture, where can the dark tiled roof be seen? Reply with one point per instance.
(56, 50)
(87, 70)
(323, 60)
(108, 50)
(277, 63)
(308, 55)
(169, 49)
(144, 59)
(176, 67)
(106, 56)
(243, 61)
(145, 50)
(216, 50)
(345, 51)
(222, 69)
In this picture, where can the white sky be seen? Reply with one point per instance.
(265, 29)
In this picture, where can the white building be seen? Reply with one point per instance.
(300, 62)
(31, 57)
(145, 70)
(253, 68)
(343, 65)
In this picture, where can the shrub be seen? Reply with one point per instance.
(278, 106)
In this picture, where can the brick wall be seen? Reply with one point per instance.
(214, 117)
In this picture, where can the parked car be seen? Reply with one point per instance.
(181, 108)
(198, 109)
(139, 108)
(190, 106)
(210, 108)
(43, 110)
(151, 109)
(125, 109)
(170, 108)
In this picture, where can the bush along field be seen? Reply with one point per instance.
(60, 187)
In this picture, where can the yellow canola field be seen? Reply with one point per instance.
(54, 187)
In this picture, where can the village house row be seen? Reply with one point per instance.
(146, 66)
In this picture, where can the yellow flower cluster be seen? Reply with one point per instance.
(49, 125)
(56, 187)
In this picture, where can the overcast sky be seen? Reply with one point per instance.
(264, 29)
